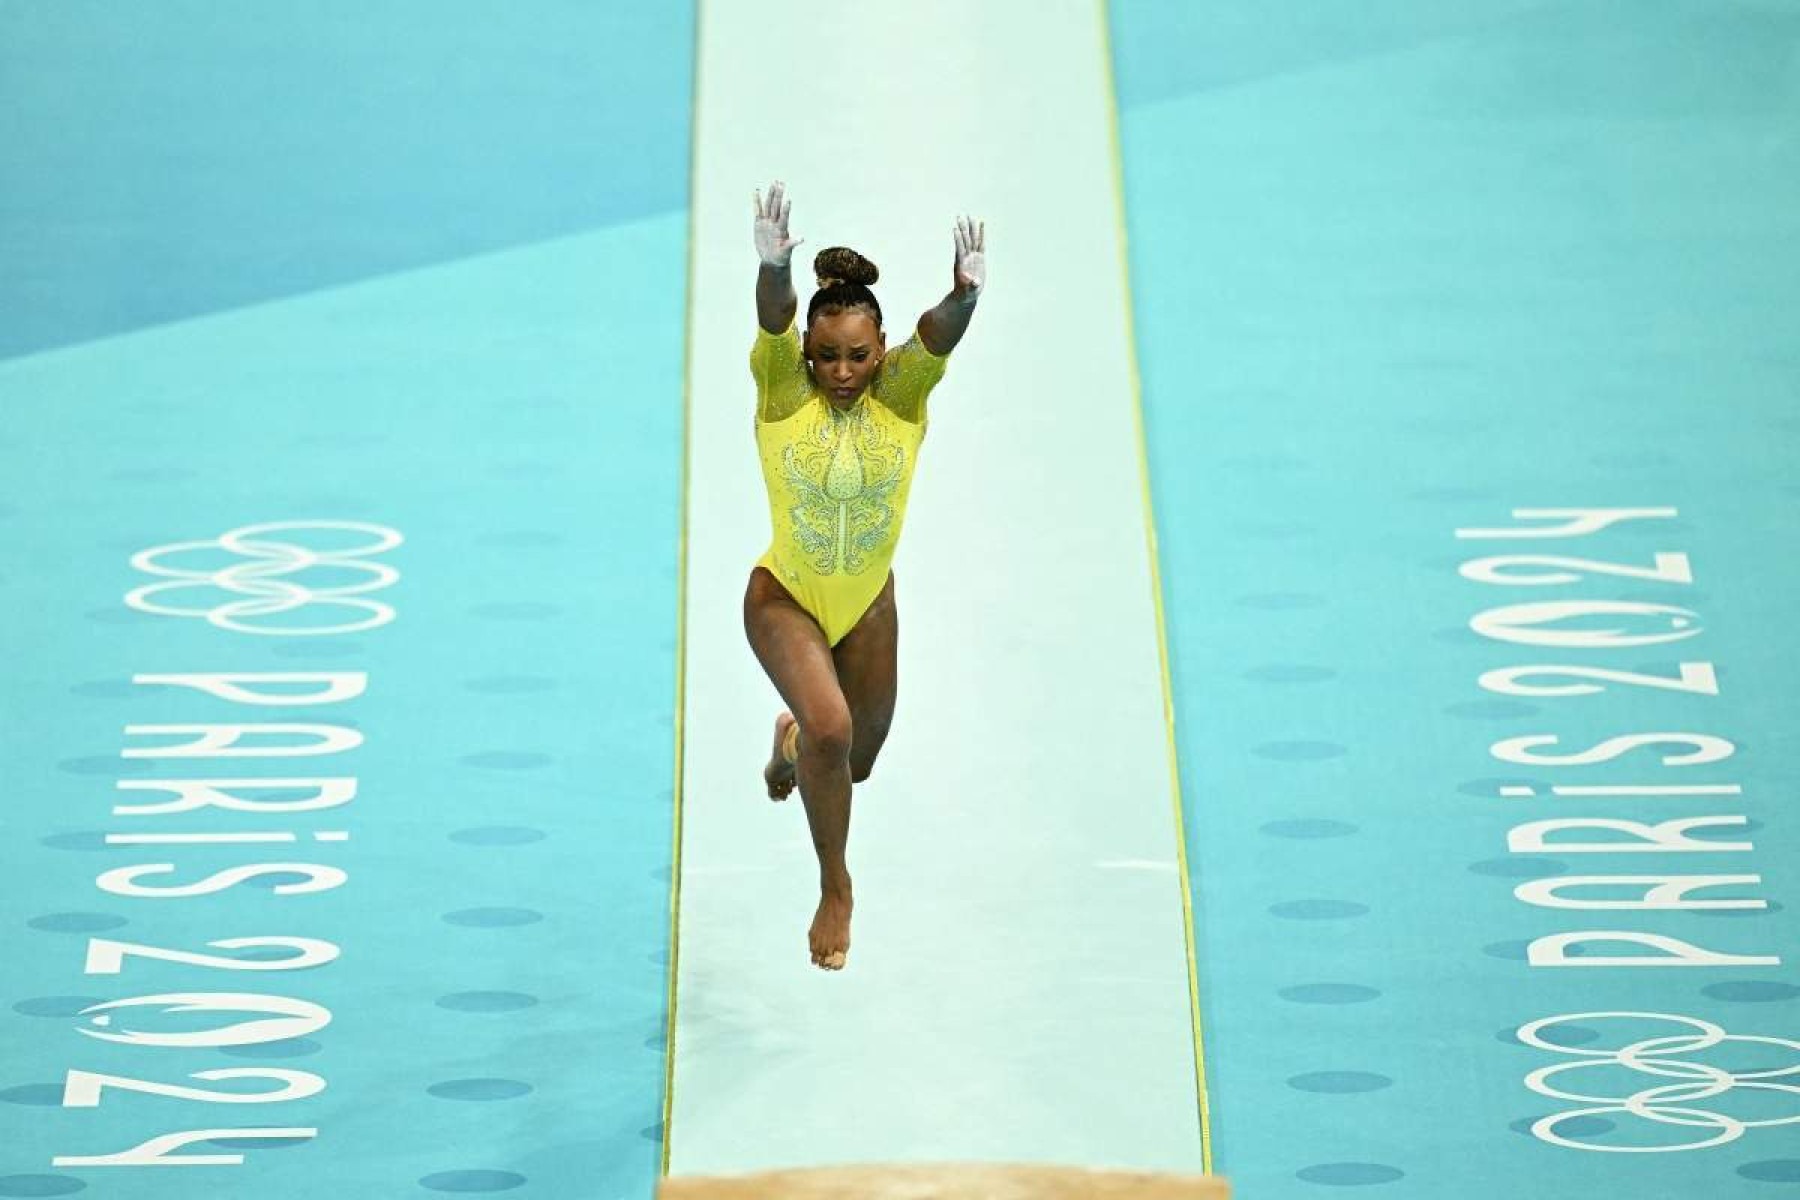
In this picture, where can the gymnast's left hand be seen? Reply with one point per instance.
(971, 259)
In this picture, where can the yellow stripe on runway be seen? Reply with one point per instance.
(1162, 639)
(687, 412)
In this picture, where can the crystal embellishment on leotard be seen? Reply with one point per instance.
(843, 472)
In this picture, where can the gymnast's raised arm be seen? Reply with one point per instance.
(942, 327)
(775, 299)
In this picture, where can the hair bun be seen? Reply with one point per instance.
(840, 264)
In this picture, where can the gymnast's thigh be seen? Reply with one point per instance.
(793, 652)
(867, 662)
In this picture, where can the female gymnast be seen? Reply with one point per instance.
(839, 420)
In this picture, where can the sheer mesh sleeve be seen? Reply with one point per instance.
(782, 382)
(908, 373)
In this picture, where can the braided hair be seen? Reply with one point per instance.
(844, 277)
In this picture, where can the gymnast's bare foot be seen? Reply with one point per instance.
(779, 774)
(830, 934)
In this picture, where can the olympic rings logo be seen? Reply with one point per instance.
(264, 579)
(1664, 1058)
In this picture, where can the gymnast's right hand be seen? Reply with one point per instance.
(773, 245)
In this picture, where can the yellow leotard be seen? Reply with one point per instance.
(837, 480)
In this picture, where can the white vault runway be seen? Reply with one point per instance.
(1018, 986)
